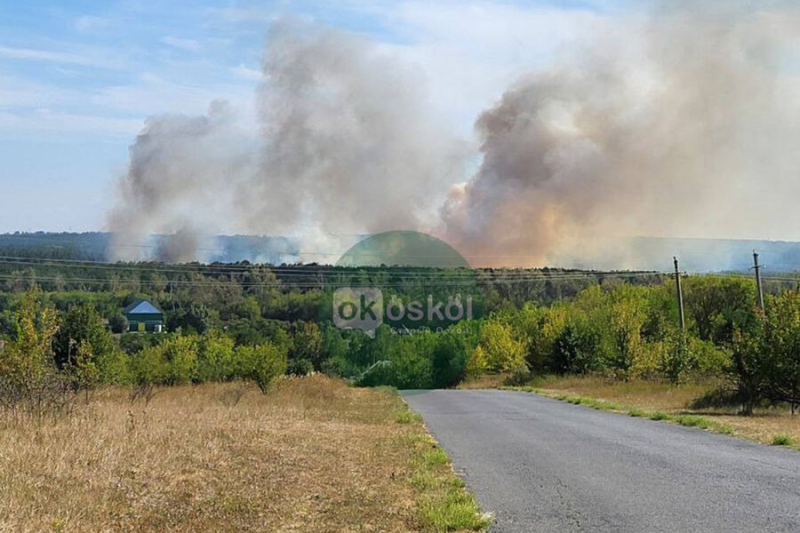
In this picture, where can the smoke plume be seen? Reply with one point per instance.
(673, 125)
(346, 148)
(681, 121)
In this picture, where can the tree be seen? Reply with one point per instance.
(180, 354)
(783, 349)
(749, 364)
(501, 350)
(449, 360)
(27, 371)
(306, 353)
(718, 306)
(84, 372)
(214, 358)
(577, 348)
(82, 324)
(118, 323)
(263, 364)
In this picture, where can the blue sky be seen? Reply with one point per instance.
(78, 78)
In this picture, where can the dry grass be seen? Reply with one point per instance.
(484, 381)
(648, 399)
(655, 396)
(312, 455)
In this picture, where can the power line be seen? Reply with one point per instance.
(301, 270)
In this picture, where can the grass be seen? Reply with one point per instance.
(312, 455)
(782, 440)
(443, 502)
(669, 403)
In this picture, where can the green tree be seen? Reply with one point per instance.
(263, 363)
(83, 371)
(749, 363)
(577, 348)
(783, 349)
(27, 371)
(82, 324)
(501, 350)
(180, 354)
(307, 348)
(215, 358)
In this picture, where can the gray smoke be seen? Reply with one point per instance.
(682, 121)
(677, 124)
(347, 148)
(180, 180)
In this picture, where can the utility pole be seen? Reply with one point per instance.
(758, 281)
(680, 295)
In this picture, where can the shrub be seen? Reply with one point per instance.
(82, 326)
(449, 360)
(215, 358)
(180, 354)
(149, 366)
(501, 350)
(28, 376)
(118, 323)
(782, 440)
(262, 363)
(577, 349)
(679, 359)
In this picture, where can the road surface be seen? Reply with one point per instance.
(541, 465)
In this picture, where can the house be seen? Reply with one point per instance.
(144, 316)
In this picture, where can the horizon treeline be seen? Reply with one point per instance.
(231, 322)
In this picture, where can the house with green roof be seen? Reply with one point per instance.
(144, 317)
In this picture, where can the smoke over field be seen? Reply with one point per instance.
(681, 121)
(346, 148)
(678, 126)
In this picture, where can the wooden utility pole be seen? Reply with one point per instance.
(758, 281)
(680, 295)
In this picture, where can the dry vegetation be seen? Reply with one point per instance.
(648, 398)
(312, 455)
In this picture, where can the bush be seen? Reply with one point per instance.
(29, 380)
(215, 358)
(577, 349)
(180, 354)
(81, 326)
(149, 366)
(502, 351)
(262, 363)
(118, 323)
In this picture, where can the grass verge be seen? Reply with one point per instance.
(602, 405)
(443, 502)
(678, 404)
(311, 455)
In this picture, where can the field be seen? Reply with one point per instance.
(648, 398)
(311, 455)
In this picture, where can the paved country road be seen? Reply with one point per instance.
(547, 466)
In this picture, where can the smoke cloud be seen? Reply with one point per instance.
(672, 125)
(347, 148)
(681, 121)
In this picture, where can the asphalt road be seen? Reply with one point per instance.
(547, 466)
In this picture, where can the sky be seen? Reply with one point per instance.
(78, 79)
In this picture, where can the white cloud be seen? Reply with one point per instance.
(90, 23)
(188, 45)
(30, 54)
(43, 123)
(247, 73)
(472, 52)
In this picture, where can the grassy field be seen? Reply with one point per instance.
(312, 455)
(662, 401)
